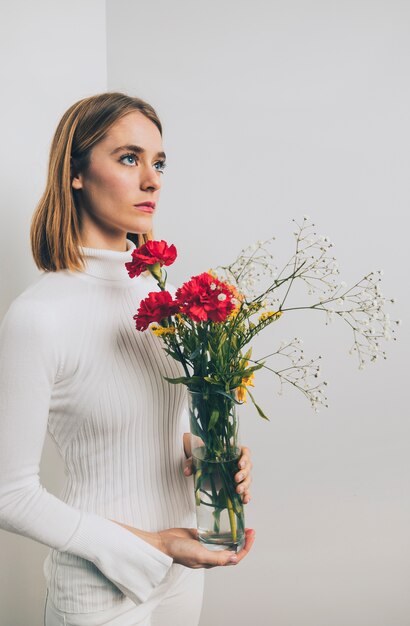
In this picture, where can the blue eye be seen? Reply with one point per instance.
(162, 165)
(129, 157)
(131, 160)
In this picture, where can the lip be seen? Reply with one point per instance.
(149, 207)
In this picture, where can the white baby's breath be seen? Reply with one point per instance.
(361, 306)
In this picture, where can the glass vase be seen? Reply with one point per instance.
(214, 426)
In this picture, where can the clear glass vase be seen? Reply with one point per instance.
(214, 426)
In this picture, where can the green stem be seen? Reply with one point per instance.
(220, 443)
(232, 520)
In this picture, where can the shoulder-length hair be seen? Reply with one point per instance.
(55, 226)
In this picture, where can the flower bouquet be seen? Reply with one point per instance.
(207, 326)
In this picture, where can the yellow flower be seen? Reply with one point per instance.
(238, 297)
(267, 314)
(241, 391)
(161, 330)
(254, 306)
(248, 380)
(234, 312)
(179, 318)
(212, 273)
(241, 394)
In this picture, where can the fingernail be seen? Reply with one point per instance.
(241, 464)
(233, 559)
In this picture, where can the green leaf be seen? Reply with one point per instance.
(172, 353)
(222, 351)
(251, 369)
(221, 499)
(195, 353)
(223, 393)
(186, 380)
(212, 353)
(258, 408)
(211, 380)
(175, 381)
(214, 419)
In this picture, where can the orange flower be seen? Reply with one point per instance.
(239, 297)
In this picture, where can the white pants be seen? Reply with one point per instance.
(181, 605)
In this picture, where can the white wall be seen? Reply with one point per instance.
(52, 54)
(272, 110)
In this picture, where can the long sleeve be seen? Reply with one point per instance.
(31, 363)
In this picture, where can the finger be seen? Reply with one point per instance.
(188, 466)
(209, 558)
(249, 539)
(244, 485)
(228, 557)
(187, 444)
(243, 489)
(241, 476)
(245, 470)
(244, 458)
(246, 497)
(221, 558)
(193, 532)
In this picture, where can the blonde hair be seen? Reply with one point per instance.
(55, 226)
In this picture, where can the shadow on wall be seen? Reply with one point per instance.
(18, 269)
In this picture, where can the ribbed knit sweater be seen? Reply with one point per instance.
(72, 363)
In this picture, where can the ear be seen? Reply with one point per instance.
(76, 178)
(76, 182)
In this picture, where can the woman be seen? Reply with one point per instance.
(124, 549)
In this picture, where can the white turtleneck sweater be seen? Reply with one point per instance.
(72, 363)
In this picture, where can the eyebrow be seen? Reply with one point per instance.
(138, 150)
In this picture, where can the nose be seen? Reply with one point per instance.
(150, 178)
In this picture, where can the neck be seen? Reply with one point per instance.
(107, 264)
(97, 240)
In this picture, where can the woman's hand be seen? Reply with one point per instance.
(243, 477)
(184, 547)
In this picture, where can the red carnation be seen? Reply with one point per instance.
(148, 254)
(154, 308)
(204, 298)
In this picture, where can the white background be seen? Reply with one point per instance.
(52, 54)
(271, 110)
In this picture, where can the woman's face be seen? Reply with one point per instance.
(125, 170)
